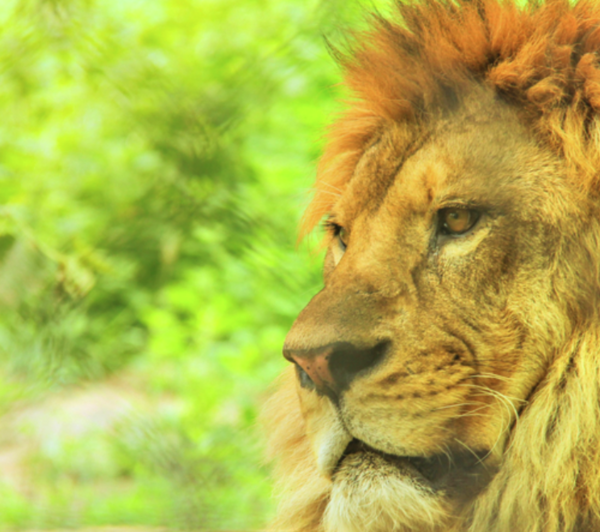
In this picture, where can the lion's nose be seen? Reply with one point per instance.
(333, 367)
(315, 365)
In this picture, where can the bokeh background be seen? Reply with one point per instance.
(155, 159)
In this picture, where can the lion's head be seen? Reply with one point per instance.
(447, 375)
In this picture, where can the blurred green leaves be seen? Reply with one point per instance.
(124, 155)
(155, 157)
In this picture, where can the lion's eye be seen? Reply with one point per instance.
(456, 221)
(343, 237)
(339, 233)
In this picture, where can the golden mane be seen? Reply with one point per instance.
(542, 57)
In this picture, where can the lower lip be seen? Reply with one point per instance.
(431, 471)
(438, 471)
(357, 446)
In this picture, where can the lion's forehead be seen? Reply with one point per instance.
(467, 156)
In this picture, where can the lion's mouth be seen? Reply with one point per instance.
(432, 470)
(441, 471)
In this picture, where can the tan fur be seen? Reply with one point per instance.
(492, 338)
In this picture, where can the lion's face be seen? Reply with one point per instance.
(438, 315)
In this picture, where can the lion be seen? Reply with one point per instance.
(447, 377)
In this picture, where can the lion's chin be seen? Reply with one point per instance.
(370, 493)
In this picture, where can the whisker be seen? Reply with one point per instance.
(506, 401)
(321, 191)
(445, 450)
(331, 186)
(456, 405)
(493, 392)
(480, 460)
(490, 376)
(473, 413)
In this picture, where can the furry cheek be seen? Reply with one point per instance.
(327, 435)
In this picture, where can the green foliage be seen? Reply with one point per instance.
(155, 158)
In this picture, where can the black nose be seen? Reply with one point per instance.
(333, 367)
(348, 361)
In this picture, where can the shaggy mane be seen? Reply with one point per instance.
(543, 58)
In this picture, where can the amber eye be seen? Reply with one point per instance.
(339, 232)
(456, 221)
(343, 237)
